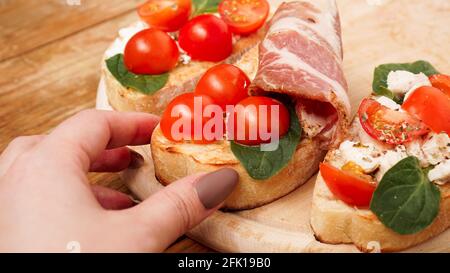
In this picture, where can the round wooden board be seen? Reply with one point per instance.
(374, 32)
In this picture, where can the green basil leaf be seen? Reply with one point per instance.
(384, 91)
(405, 200)
(205, 6)
(147, 84)
(381, 73)
(261, 165)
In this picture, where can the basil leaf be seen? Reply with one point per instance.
(381, 73)
(405, 200)
(147, 84)
(384, 91)
(205, 6)
(261, 165)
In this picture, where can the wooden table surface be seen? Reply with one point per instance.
(50, 58)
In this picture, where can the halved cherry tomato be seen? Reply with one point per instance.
(249, 119)
(151, 51)
(387, 125)
(226, 84)
(441, 82)
(181, 111)
(206, 38)
(244, 16)
(353, 189)
(166, 15)
(430, 105)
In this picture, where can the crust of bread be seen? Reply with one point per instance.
(335, 222)
(182, 79)
(176, 160)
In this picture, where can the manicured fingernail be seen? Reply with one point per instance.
(213, 188)
(136, 160)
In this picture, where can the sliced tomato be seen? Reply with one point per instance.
(250, 120)
(430, 105)
(441, 82)
(226, 84)
(166, 15)
(181, 110)
(387, 125)
(244, 16)
(353, 189)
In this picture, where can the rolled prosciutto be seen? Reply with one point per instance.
(301, 56)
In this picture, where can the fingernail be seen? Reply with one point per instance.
(136, 160)
(213, 188)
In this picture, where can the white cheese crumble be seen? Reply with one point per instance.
(414, 148)
(404, 82)
(366, 156)
(385, 101)
(125, 35)
(441, 173)
(437, 148)
(389, 159)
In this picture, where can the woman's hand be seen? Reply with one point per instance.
(46, 200)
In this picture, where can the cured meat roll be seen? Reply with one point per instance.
(301, 56)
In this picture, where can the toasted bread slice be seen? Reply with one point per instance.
(176, 160)
(182, 79)
(335, 222)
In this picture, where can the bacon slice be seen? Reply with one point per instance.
(301, 55)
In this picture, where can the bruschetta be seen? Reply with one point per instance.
(297, 68)
(147, 90)
(387, 184)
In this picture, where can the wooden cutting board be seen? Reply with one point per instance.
(374, 32)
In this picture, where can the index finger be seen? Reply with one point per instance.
(87, 134)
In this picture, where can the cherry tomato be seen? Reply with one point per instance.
(166, 15)
(387, 125)
(430, 105)
(185, 113)
(441, 82)
(351, 188)
(244, 16)
(248, 117)
(151, 51)
(226, 84)
(206, 38)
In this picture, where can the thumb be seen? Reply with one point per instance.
(171, 212)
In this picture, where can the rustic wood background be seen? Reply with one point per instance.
(50, 58)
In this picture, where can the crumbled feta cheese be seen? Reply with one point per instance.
(385, 101)
(441, 173)
(437, 148)
(402, 82)
(389, 159)
(125, 35)
(366, 156)
(414, 148)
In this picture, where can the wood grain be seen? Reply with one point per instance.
(26, 25)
